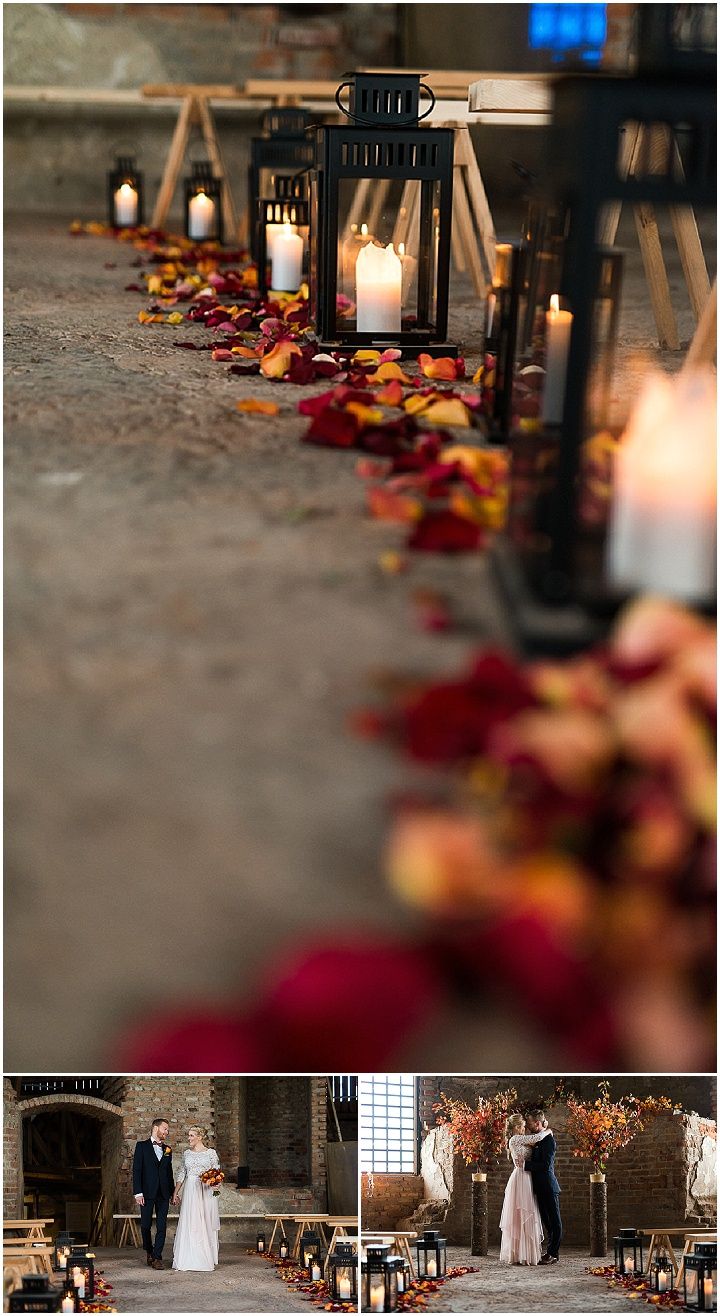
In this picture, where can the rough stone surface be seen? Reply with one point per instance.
(496, 1287)
(436, 1164)
(240, 1283)
(194, 607)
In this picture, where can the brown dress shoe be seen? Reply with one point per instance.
(157, 1264)
(149, 1258)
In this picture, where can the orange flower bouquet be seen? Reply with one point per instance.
(478, 1132)
(602, 1127)
(212, 1179)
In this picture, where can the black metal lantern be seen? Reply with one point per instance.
(342, 1272)
(62, 1248)
(431, 1255)
(392, 1270)
(662, 1275)
(628, 1246)
(35, 1294)
(82, 1260)
(203, 204)
(404, 1278)
(310, 1248)
(284, 149)
(260, 1243)
(125, 194)
(284, 1249)
(503, 305)
(700, 1278)
(373, 1276)
(395, 290)
(282, 235)
(554, 564)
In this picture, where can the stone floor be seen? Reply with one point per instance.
(194, 607)
(240, 1283)
(561, 1288)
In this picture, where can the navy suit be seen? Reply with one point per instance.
(541, 1165)
(154, 1179)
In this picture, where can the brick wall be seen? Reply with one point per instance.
(279, 1131)
(227, 1115)
(12, 1154)
(387, 1198)
(183, 1099)
(694, 1092)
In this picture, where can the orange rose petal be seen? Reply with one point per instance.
(448, 412)
(253, 406)
(442, 367)
(276, 362)
(388, 370)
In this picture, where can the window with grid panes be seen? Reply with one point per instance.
(388, 1118)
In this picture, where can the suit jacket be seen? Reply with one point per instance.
(541, 1164)
(152, 1177)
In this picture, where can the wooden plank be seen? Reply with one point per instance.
(207, 125)
(703, 348)
(179, 90)
(479, 204)
(173, 163)
(656, 276)
(511, 95)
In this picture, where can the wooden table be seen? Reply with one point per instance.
(37, 1257)
(31, 1228)
(704, 1236)
(316, 1220)
(279, 1218)
(400, 1240)
(130, 1232)
(339, 1225)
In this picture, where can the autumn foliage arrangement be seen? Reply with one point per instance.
(600, 1128)
(478, 1132)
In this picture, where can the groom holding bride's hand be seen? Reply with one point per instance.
(153, 1186)
(541, 1165)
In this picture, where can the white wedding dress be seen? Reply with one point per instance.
(197, 1236)
(520, 1218)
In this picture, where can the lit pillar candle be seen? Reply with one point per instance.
(67, 1304)
(432, 1268)
(201, 216)
(315, 1272)
(662, 1281)
(345, 1287)
(401, 1281)
(377, 1297)
(378, 290)
(662, 530)
(79, 1281)
(558, 327)
(708, 1293)
(126, 205)
(629, 1268)
(286, 259)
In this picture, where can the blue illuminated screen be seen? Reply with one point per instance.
(569, 30)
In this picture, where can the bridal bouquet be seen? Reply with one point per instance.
(212, 1179)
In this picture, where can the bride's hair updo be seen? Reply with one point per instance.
(513, 1125)
(204, 1133)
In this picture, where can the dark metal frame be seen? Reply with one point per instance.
(284, 146)
(376, 1255)
(343, 1258)
(84, 1259)
(36, 1294)
(431, 1243)
(125, 171)
(662, 1263)
(506, 288)
(703, 1261)
(202, 179)
(384, 142)
(290, 199)
(630, 1240)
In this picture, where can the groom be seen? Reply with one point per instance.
(153, 1186)
(541, 1165)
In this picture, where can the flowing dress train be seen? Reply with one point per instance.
(197, 1235)
(520, 1218)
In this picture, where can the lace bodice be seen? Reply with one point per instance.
(521, 1144)
(195, 1163)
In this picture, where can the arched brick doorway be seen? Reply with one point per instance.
(71, 1149)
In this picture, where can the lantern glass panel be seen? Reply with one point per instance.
(663, 1275)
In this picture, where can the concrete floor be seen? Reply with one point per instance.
(194, 606)
(561, 1288)
(240, 1283)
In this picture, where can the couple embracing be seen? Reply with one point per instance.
(154, 1189)
(531, 1209)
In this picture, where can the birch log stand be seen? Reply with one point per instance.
(195, 112)
(479, 1217)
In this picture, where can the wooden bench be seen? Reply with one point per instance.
(36, 1257)
(704, 1236)
(399, 1239)
(130, 1228)
(34, 1228)
(661, 1236)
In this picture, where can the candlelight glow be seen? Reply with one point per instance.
(554, 304)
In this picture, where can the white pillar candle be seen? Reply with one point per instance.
(377, 1297)
(629, 1268)
(316, 1272)
(408, 265)
(662, 531)
(491, 304)
(79, 1281)
(662, 1281)
(126, 205)
(201, 216)
(67, 1304)
(287, 258)
(708, 1293)
(432, 1268)
(401, 1281)
(558, 327)
(378, 290)
(345, 1287)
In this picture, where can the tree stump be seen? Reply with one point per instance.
(598, 1216)
(479, 1220)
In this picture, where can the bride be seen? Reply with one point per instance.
(196, 1238)
(520, 1217)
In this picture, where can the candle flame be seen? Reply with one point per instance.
(287, 228)
(555, 304)
(401, 248)
(126, 188)
(201, 193)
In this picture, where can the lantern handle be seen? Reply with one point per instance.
(371, 123)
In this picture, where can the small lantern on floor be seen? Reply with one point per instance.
(35, 1294)
(404, 1279)
(373, 1277)
(342, 1272)
(393, 1271)
(281, 236)
(61, 1250)
(203, 204)
(395, 293)
(431, 1255)
(283, 149)
(501, 333)
(310, 1248)
(662, 1275)
(628, 1245)
(700, 1278)
(260, 1243)
(125, 194)
(80, 1271)
(284, 1248)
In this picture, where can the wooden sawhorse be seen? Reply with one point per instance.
(195, 111)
